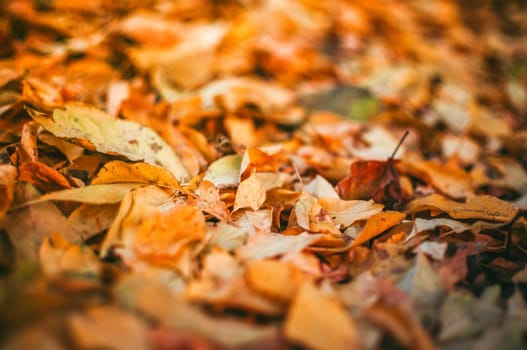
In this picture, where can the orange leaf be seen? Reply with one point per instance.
(377, 224)
(42, 176)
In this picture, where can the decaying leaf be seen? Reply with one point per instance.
(94, 129)
(372, 179)
(482, 207)
(223, 174)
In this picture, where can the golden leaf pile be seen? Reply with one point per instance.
(263, 174)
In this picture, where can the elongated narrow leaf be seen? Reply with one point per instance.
(94, 194)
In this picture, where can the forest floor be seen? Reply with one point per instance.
(263, 174)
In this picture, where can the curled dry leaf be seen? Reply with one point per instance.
(320, 188)
(7, 187)
(449, 180)
(377, 224)
(70, 150)
(484, 207)
(208, 200)
(42, 176)
(345, 213)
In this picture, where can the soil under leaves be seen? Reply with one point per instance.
(265, 174)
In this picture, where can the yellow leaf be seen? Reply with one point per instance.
(95, 130)
(93, 194)
(122, 172)
(250, 194)
(277, 279)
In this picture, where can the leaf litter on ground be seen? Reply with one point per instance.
(263, 174)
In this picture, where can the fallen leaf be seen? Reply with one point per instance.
(345, 213)
(250, 194)
(320, 188)
(60, 257)
(7, 187)
(374, 179)
(136, 205)
(103, 327)
(227, 236)
(333, 329)
(209, 200)
(483, 207)
(123, 172)
(449, 180)
(377, 224)
(42, 176)
(224, 172)
(94, 129)
(161, 236)
(160, 303)
(267, 245)
(276, 279)
(92, 194)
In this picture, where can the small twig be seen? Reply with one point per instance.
(399, 145)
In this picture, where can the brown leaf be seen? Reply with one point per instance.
(374, 179)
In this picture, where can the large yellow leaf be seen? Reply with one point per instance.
(96, 130)
(122, 172)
